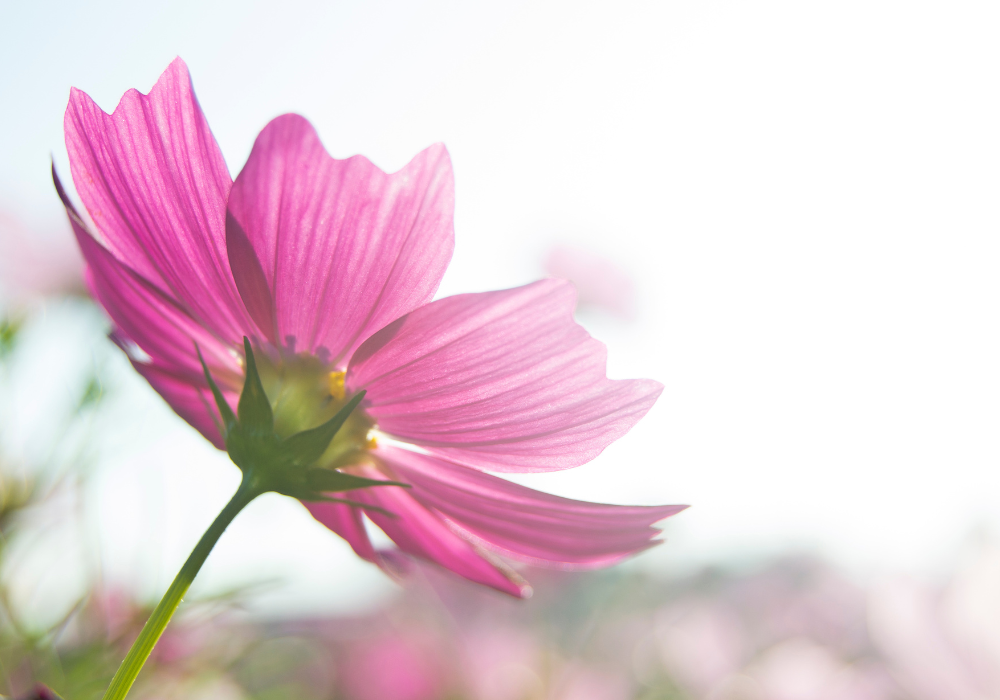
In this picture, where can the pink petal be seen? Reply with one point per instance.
(326, 252)
(154, 322)
(598, 281)
(190, 400)
(420, 532)
(155, 184)
(346, 521)
(505, 381)
(149, 321)
(527, 524)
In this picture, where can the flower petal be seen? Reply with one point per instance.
(505, 381)
(527, 524)
(153, 321)
(150, 323)
(346, 521)
(155, 184)
(420, 532)
(190, 400)
(329, 251)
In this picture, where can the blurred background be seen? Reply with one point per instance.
(787, 213)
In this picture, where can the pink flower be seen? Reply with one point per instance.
(702, 644)
(35, 264)
(578, 682)
(395, 667)
(501, 662)
(328, 266)
(943, 644)
(799, 669)
(599, 282)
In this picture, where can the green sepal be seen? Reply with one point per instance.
(326, 480)
(284, 465)
(254, 409)
(316, 483)
(320, 498)
(306, 447)
(228, 418)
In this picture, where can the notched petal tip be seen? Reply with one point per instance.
(176, 71)
(154, 183)
(384, 239)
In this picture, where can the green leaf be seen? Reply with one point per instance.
(228, 419)
(306, 447)
(321, 480)
(254, 408)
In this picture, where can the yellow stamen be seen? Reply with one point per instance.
(371, 444)
(336, 384)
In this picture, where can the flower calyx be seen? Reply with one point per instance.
(285, 465)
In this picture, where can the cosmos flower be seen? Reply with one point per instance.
(328, 267)
(399, 665)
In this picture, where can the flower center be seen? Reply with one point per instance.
(305, 393)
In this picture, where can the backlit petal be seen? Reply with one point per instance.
(157, 334)
(155, 184)
(325, 252)
(420, 532)
(346, 521)
(153, 321)
(524, 523)
(505, 381)
(191, 400)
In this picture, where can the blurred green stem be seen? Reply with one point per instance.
(157, 622)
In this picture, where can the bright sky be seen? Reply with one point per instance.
(806, 195)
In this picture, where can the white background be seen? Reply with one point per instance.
(805, 194)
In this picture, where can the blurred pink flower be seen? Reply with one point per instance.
(702, 644)
(166, 685)
(792, 631)
(328, 266)
(40, 692)
(802, 598)
(943, 645)
(799, 669)
(501, 663)
(110, 614)
(394, 667)
(598, 281)
(577, 682)
(35, 264)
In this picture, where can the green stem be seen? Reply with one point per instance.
(157, 622)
